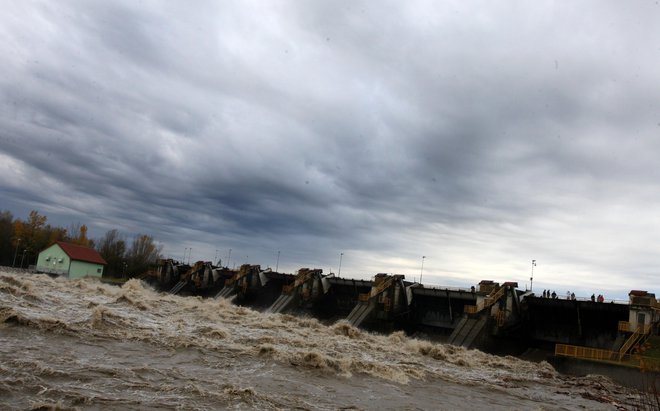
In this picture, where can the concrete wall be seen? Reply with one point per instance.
(53, 260)
(80, 269)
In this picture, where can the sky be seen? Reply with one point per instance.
(456, 141)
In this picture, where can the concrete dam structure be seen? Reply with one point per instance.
(493, 317)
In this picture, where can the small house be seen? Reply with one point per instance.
(70, 260)
(643, 310)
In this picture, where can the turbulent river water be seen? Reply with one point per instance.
(82, 344)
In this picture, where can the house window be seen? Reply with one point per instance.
(98, 270)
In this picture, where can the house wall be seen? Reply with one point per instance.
(53, 260)
(80, 269)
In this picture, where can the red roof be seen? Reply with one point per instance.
(80, 253)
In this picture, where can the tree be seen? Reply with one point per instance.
(81, 237)
(142, 254)
(6, 235)
(30, 236)
(112, 248)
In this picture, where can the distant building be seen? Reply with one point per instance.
(70, 260)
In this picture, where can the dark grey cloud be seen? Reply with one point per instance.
(481, 136)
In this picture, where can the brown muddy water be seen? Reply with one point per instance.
(81, 344)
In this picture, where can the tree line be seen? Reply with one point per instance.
(22, 240)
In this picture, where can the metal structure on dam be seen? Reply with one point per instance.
(494, 317)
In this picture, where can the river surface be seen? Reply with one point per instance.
(82, 344)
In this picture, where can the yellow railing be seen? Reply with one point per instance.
(387, 304)
(585, 352)
(490, 299)
(596, 354)
(626, 327)
(376, 290)
(634, 338)
(381, 287)
(500, 317)
(300, 279)
(470, 309)
(493, 297)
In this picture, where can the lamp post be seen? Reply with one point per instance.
(185, 253)
(531, 279)
(215, 259)
(18, 243)
(189, 253)
(23, 257)
(422, 270)
(228, 258)
(277, 265)
(340, 258)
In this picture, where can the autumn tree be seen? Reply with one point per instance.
(77, 234)
(30, 236)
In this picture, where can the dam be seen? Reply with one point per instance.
(494, 317)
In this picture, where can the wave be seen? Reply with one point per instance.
(88, 309)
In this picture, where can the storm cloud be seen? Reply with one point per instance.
(480, 135)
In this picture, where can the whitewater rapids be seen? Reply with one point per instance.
(82, 344)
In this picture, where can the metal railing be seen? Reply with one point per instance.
(470, 309)
(611, 357)
(630, 341)
(376, 290)
(490, 299)
(577, 351)
(626, 327)
(500, 317)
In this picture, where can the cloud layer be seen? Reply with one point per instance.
(479, 135)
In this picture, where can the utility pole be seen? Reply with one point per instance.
(18, 243)
(339, 271)
(422, 270)
(277, 265)
(531, 279)
(228, 258)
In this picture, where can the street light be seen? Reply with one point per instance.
(216, 256)
(422, 270)
(18, 243)
(339, 271)
(22, 258)
(531, 279)
(189, 253)
(277, 265)
(228, 258)
(185, 252)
